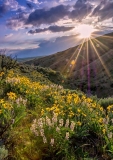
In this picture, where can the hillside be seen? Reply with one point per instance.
(40, 120)
(87, 66)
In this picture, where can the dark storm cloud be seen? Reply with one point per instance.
(42, 16)
(52, 29)
(81, 9)
(104, 10)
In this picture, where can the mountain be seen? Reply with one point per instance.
(88, 66)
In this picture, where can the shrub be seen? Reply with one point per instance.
(3, 152)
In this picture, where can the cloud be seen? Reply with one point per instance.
(51, 29)
(79, 11)
(19, 45)
(104, 10)
(43, 16)
(33, 1)
(48, 47)
(82, 8)
(3, 9)
(62, 1)
(29, 5)
(10, 5)
(17, 22)
(9, 35)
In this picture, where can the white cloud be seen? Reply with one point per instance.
(9, 35)
(33, 1)
(12, 5)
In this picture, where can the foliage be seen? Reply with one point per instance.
(6, 62)
(41, 120)
(105, 102)
(53, 76)
(3, 152)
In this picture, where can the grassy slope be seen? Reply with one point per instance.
(77, 75)
(36, 97)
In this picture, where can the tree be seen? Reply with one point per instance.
(7, 62)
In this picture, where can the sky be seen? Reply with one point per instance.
(30, 28)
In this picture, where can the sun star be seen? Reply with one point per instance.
(85, 30)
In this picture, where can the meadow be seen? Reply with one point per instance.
(40, 120)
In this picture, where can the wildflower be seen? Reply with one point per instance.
(78, 110)
(11, 95)
(101, 108)
(67, 135)
(1, 74)
(57, 129)
(104, 131)
(54, 119)
(18, 101)
(107, 119)
(84, 114)
(33, 127)
(7, 105)
(48, 121)
(40, 123)
(24, 101)
(79, 123)
(1, 101)
(42, 112)
(0, 111)
(112, 120)
(104, 120)
(52, 142)
(13, 120)
(72, 126)
(61, 122)
(110, 135)
(109, 107)
(34, 121)
(71, 114)
(67, 123)
(44, 139)
(42, 132)
(100, 120)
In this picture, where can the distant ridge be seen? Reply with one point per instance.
(27, 59)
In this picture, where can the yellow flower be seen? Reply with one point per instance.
(1, 101)
(7, 106)
(101, 108)
(84, 114)
(101, 120)
(109, 107)
(1, 74)
(78, 110)
(42, 112)
(11, 95)
(104, 131)
(79, 123)
(0, 111)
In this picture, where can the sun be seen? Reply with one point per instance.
(85, 30)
